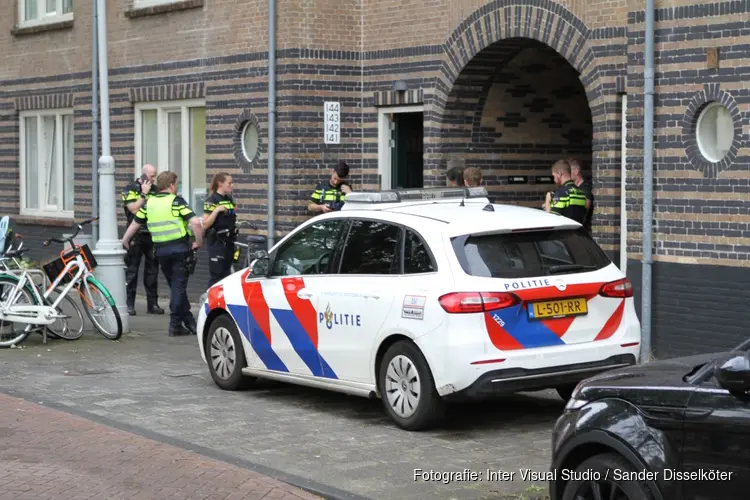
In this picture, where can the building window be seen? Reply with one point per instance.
(250, 141)
(32, 12)
(47, 154)
(715, 132)
(172, 136)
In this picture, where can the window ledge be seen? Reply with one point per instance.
(53, 24)
(163, 8)
(42, 220)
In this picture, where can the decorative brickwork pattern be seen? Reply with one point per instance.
(710, 94)
(396, 98)
(169, 92)
(44, 101)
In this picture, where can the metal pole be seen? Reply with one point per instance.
(94, 126)
(109, 252)
(271, 122)
(648, 182)
(623, 185)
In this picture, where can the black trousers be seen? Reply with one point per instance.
(141, 247)
(220, 255)
(175, 271)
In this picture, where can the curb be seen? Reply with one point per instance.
(313, 487)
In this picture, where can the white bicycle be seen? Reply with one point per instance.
(21, 301)
(69, 326)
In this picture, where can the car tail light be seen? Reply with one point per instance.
(474, 302)
(617, 289)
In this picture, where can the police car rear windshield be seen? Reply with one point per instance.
(529, 254)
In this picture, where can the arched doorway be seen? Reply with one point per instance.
(515, 108)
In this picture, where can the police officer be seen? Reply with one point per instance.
(134, 196)
(219, 221)
(584, 185)
(329, 194)
(170, 220)
(567, 200)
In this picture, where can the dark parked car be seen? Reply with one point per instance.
(676, 429)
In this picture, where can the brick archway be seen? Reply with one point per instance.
(543, 22)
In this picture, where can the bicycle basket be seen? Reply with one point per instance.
(54, 268)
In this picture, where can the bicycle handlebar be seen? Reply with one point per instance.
(78, 226)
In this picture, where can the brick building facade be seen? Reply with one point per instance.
(509, 86)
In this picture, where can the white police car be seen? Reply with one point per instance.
(422, 296)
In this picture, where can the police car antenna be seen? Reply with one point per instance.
(463, 197)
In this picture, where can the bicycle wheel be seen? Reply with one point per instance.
(14, 333)
(70, 328)
(100, 308)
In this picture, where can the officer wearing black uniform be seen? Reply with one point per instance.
(588, 190)
(170, 220)
(329, 194)
(567, 200)
(219, 221)
(134, 196)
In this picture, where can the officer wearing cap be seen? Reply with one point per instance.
(329, 194)
(568, 199)
(133, 197)
(219, 221)
(169, 219)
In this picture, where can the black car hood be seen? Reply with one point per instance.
(655, 383)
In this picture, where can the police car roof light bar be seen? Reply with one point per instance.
(402, 195)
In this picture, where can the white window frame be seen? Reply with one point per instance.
(48, 211)
(42, 16)
(162, 164)
(384, 140)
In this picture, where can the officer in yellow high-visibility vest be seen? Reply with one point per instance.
(170, 220)
(567, 200)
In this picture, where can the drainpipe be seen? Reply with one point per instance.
(94, 126)
(271, 121)
(648, 182)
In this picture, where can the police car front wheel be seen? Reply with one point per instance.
(408, 389)
(226, 355)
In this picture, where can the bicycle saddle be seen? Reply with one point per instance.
(254, 238)
(15, 253)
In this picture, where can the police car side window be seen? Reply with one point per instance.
(309, 251)
(416, 257)
(372, 247)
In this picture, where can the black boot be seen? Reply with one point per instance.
(190, 325)
(179, 331)
(155, 309)
(131, 308)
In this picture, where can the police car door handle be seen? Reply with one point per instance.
(367, 296)
(304, 294)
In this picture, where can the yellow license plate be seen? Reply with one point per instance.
(558, 308)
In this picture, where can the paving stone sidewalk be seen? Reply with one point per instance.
(46, 454)
(335, 445)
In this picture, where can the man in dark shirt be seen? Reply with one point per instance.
(329, 194)
(567, 200)
(141, 247)
(587, 188)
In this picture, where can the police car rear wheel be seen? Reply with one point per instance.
(226, 355)
(408, 389)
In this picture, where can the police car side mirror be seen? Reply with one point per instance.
(259, 267)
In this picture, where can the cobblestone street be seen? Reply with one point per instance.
(335, 445)
(48, 454)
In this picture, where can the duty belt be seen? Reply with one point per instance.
(224, 234)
